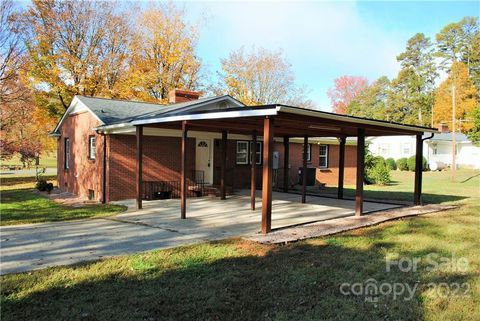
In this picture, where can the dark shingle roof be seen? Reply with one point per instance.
(111, 111)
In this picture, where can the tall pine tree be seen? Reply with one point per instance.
(412, 94)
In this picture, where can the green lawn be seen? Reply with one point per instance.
(240, 280)
(437, 187)
(49, 161)
(21, 204)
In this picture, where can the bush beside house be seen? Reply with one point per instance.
(411, 163)
(402, 164)
(44, 186)
(376, 169)
(391, 165)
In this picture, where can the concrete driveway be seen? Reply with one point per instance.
(35, 246)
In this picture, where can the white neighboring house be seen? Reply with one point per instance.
(436, 149)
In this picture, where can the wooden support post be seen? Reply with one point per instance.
(139, 136)
(304, 170)
(223, 166)
(286, 163)
(341, 166)
(183, 181)
(268, 135)
(360, 171)
(417, 195)
(254, 171)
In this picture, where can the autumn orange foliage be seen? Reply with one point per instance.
(465, 98)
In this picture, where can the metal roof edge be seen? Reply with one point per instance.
(210, 115)
(353, 119)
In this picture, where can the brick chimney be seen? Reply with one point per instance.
(443, 128)
(181, 96)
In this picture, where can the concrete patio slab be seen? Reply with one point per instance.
(158, 225)
(234, 216)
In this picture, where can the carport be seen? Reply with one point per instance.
(268, 122)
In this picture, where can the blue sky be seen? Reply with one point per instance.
(322, 40)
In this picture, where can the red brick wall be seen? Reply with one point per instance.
(329, 176)
(238, 175)
(161, 162)
(84, 173)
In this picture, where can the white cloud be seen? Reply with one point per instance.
(322, 40)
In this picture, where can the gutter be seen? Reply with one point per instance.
(430, 137)
(104, 128)
(312, 113)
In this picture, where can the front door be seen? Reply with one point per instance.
(202, 159)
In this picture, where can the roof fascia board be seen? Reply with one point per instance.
(313, 113)
(66, 113)
(76, 102)
(214, 115)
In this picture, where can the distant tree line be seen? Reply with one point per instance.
(413, 97)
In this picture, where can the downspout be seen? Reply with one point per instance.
(104, 196)
(104, 169)
(431, 136)
(428, 148)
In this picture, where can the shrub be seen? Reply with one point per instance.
(402, 164)
(43, 186)
(377, 171)
(391, 165)
(411, 163)
(49, 187)
(380, 174)
(378, 160)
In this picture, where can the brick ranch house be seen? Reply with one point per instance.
(101, 166)
(111, 150)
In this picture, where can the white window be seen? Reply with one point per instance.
(323, 158)
(258, 156)
(309, 152)
(406, 149)
(242, 152)
(66, 152)
(91, 147)
(383, 149)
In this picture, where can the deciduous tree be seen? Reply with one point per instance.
(11, 50)
(344, 91)
(465, 97)
(260, 76)
(372, 101)
(163, 54)
(474, 132)
(75, 47)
